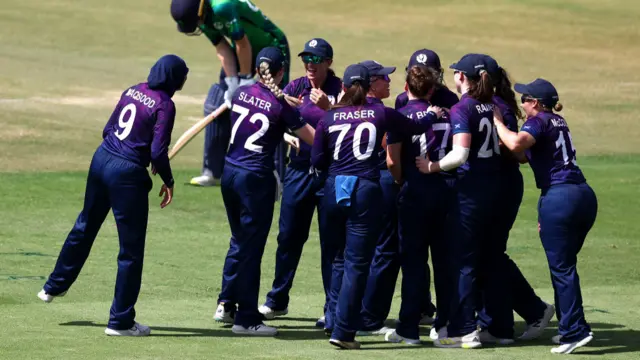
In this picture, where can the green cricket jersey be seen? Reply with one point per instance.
(236, 18)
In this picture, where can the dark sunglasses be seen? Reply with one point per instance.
(526, 98)
(312, 59)
(385, 78)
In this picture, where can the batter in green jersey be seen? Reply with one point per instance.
(238, 30)
(240, 21)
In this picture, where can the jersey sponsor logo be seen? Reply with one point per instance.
(313, 43)
(141, 98)
(422, 59)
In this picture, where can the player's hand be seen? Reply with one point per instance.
(232, 85)
(292, 101)
(167, 192)
(319, 98)
(154, 171)
(246, 80)
(437, 110)
(425, 165)
(293, 141)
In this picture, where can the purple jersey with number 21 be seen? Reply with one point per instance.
(258, 121)
(348, 139)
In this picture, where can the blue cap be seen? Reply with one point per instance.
(539, 89)
(356, 73)
(472, 65)
(492, 66)
(318, 47)
(185, 13)
(376, 69)
(425, 57)
(273, 56)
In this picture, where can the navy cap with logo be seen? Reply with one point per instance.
(425, 57)
(539, 89)
(318, 47)
(356, 73)
(472, 65)
(376, 69)
(492, 66)
(185, 13)
(273, 56)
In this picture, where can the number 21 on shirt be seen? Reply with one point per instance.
(357, 138)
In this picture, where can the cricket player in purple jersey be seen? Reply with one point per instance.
(260, 116)
(302, 185)
(442, 97)
(567, 208)
(345, 145)
(137, 133)
(423, 206)
(476, 155)
(385, 265)
(239, 30)
(526, 303)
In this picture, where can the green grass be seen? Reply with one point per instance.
(65, 62)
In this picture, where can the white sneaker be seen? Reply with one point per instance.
(205, 180)
(486, 338)
(568, 348)
(48, 297)
(426, 320)
(536, 329)
(321, 322)
(469, 341)
(223, 316)
(556, 338)
(136, 330)
(347, 345)
(438, 334)
(271, 314)
(393, 337)
(379, 332)
(256, 330)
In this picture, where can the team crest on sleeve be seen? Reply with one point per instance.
(422, 59)
(313, 43)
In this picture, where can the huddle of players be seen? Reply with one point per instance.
(459, 189)
(445, 182)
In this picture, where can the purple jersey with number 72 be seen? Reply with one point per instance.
(139, 128)
(259, 120)
(552, 157)
(347, 139)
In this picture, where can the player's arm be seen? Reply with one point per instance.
(231, 12)
(319, 154)
(394, 152)
(112, 120)
(515, 141)
(165, 117)
(244, 52)
(460, 148)
(227, 58)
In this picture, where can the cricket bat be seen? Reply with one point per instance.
(195, 130)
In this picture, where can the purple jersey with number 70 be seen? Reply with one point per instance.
(258, 121)
(348, 138)
(553, 156)
(139, 128)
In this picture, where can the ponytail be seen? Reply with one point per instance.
(267, 79)
(420, 80)
(504, 91)
(558, 107)
(356, 95)
(481, 89)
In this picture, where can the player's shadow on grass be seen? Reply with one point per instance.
(169, 331)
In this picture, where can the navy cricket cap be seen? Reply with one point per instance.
(491, 64)
(376, 69)
(356, 73)
(472, 65)
(539, 89)
(318, 47)
(273, 56)
(425, 57)
(185, 13)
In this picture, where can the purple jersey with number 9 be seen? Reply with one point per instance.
(553, 156)
(259, 120)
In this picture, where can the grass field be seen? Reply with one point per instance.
(64, 63)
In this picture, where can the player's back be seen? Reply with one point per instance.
(130, 130)
(476, 118)
(259, 120)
